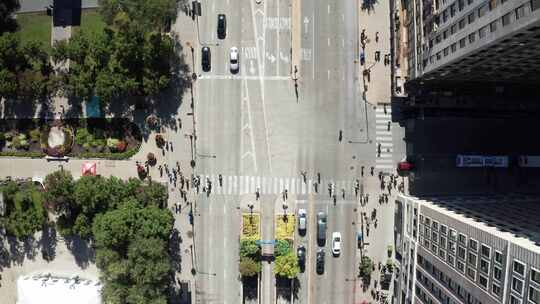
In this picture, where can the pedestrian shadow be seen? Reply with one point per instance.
(368, 5)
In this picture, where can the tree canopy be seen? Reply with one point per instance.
(155, 15)
(248, 267)
(7, 8)
(287, 266)
(24, 211)
(117, 63)
(25, 71)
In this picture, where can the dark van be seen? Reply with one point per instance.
(221, 26)
(205, 59)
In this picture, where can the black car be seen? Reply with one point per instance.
(205, 59)
(320, 261)
(221, 26)
(301, 253)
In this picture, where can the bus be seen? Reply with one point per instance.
(529, 161)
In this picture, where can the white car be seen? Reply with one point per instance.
(302, 220)
(336, 243)
(234, 60)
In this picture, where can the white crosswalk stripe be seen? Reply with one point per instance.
(383, 136)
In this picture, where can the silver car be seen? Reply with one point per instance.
(234, 60)
(302, 221)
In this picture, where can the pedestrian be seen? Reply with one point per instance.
(386, 199)
(343, 193)
(372, 170)
(367, 198)
(315, 186)
(388, 125)
(187, 184)
(335, 199)
(257, 194)
(318, 177)
(220, 178)
(376, 36)
(185, 196)
(286, 194)
(180, 123)
(178, 166)
(377, 56)
(304, 173)
(330, 189)
(362, 171)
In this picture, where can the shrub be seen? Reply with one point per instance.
(9, 135)
(248, 267)
(86, 146)
(249, 248)
(282, 247)
(82, 136)
(112, 143)
(35, 134)
(2, 137)
(121, 146)
(22, 136)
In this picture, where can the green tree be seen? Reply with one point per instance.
(153, 194)
(154, 15)
(248, 267)
(25, 71)
(282, 247)
(7, 8)
(287, 266)
(60, 189)
(24, 212)
(366, 267)
(248, 248)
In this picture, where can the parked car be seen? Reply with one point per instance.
(301, 253)
(221, 26)
(206, 59)
(321, 228)
(320, 261)
(302, 221)
(336, 243)
(234, 60)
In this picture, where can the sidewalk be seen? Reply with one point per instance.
(374, 20)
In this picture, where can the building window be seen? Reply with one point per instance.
(506, 19)
(461, 23)
(496, 289)
(470, 1)
(461, 252)
(483, 281)
(435, 226)
(484, 266)
(444, 36)
(462, 43)
(421, 219)
(482, 32)
(493, 26)
(535, 4)
(445, 15)
(434, 248)
(461, 4)
(497, 273)
(519, 268)
(426, 232)
(443, 229)
(453, 10)
(453, 47)
(471, 273)
(534, 295)
(460, 266)
(520, 12)
(445, 51)
(442, 254)
(493, 4)
(438, 56)
(486, 251)
(462, 239)
(498, 257)
(451, 260)
(453, 234)
(473, 244)
(471, 18)
(437, 40)
(517, 285)
(514, 300)
(472, 37)
(442, 242)
(453, 29)
(428, 220)
(452, 245)
(482, 10)
(426, 244)
(472, 258)
(434, 237)
(535, 276)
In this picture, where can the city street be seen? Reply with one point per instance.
(259, 131)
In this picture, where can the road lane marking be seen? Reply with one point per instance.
(383, 160)
(248, 104)
(342, 42)
(328, 41)
(377, 166)
(313, 45)
(328, 74)
(328, 8)
(243, 77)
(277, 37)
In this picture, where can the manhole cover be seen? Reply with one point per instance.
(352, 167)
(354, 157)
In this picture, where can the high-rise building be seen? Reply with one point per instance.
(468, 40)
(467, 250)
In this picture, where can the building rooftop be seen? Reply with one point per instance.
(512, 217)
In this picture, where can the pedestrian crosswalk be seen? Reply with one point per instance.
(238, 185)
(383, 138)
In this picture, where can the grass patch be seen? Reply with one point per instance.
(285, 226)
(35, 27)
(91, 22)
(251, 226)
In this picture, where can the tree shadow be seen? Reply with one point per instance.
(81, 250)
(175, 250)
(30, 246)
(296, 288)
(16, 251)
(15, 108)
(250, 288)
(48, 242)
(283, 288)
(180, 294)
(368, 5)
